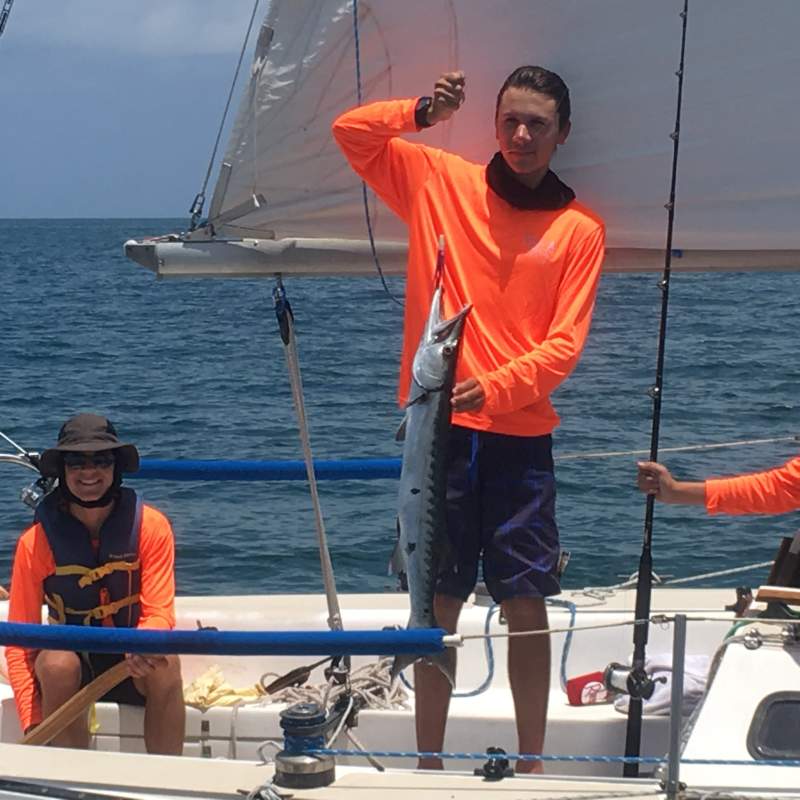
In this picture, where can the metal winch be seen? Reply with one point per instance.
(305, 727)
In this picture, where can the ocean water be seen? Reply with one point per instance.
(195, 369)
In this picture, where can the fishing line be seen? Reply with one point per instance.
(644, 584)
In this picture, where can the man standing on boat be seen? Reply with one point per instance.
(528, 256)
(97, 556)
(774, 491)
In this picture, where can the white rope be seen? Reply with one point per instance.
(619, 794)
(371, 683)
(603, 592)
(348, 732)
(718, 573)
(684, 449)
(778, 795)
(657, 619)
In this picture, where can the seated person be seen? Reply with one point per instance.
(97, 556)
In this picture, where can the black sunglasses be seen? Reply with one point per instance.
(102, 460)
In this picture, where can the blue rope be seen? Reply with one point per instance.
(291, 470)
(488, 649)
(417, 641)
(357, 42)
(593, 759)
(484, 756)
(573, 611)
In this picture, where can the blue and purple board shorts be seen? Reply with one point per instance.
(501, 503)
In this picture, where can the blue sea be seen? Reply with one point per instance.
(195, 369)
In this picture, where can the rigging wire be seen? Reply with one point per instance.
(285, 317)
(197, 205)
(644, 584)
(687, 448)
(5, 13)
(364, 193)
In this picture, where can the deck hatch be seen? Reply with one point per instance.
(775, 729)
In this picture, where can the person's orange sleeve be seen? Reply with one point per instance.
(33, 562)
(157, 554)
(775, 491)
(369, 138)
(537, 373)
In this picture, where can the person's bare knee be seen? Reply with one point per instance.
(58, 671)
(525, 613)
(162, 681)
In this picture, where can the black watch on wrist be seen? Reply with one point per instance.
(421, 112)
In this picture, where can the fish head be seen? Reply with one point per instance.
(434, 361)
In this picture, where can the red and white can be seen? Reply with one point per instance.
(587, 689)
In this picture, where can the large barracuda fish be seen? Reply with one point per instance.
(422, 545)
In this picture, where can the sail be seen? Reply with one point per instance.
(738, 187)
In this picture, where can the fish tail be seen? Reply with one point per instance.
(445, 661)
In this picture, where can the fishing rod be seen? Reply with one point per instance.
(639, 684)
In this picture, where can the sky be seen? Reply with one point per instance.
(110, 108)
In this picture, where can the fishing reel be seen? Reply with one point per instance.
(35, 492)
(624, 679)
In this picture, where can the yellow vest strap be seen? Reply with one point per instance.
(91, 575)
(107, 610)
(56, 603)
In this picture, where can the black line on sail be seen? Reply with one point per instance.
(638, 679)
(364, 194)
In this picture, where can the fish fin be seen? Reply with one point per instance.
(398, 562)
(400, 436)
(401, 661)
(445, 661)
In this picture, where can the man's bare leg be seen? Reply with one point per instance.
(59, 676)
(432, 689)
(165, 712)
(528, 674)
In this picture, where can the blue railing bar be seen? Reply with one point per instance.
(223, 470)
(417, 641)
(766, 762)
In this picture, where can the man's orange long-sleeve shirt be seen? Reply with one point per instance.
(531, 275)
(33, 562)
(775, 491)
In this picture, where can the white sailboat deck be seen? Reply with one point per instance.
(231, 740)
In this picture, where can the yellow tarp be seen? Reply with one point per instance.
(211, 689)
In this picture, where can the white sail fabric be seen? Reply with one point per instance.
(738, 179)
